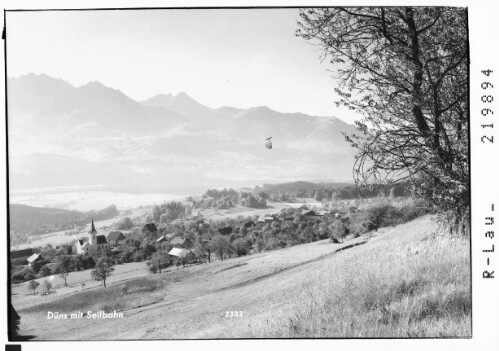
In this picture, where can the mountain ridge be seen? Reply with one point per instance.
(168, 138)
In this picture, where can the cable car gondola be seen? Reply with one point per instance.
(268, 145)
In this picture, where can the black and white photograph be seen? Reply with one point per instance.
(192, 173)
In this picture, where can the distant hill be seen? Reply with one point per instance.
(336, 190)
(28, 220)
(61, 135)
(38, 216)
(289, 187)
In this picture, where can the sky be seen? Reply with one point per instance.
(231, 57)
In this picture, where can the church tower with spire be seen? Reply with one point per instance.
(93, 234)
(95, 244)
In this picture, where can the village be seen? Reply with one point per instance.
(190, 239)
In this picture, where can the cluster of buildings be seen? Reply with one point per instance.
(96, 244)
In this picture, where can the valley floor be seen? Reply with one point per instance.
(407, 281)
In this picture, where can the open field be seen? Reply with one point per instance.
(403, 281)
(22, 297)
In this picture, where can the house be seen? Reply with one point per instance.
(116, 238)
(178, 252)
(265, 218)
(150, 228)
(180, 242)
(19, 257)
(225, 230)
(33, 258)
(185, 255)
(95, 245)
(307, 213)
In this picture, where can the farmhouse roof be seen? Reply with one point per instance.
(249, 224)
(115, 236)
(225, 230)
(307, 213)
(33, 258)
(264, 218)
(101, 239)
(178, 252)
(150, 227)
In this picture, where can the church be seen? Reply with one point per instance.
(95, 245)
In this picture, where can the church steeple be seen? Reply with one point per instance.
(93, 231)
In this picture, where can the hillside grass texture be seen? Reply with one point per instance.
(399, 288)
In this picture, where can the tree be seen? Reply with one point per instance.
(24, 274)
(103, 270)
(44, 271)
(318, 196)
(125, 223)
(148, 250)
(378, 215)
(406, 70)
(263, 195)
(338, 230)
(174, 210)
(38, 264)
(253, 202)
(156, 213)
(157, 262)
(47, 286)
(153, 267)
(63, 265)
(33, 284)
(241, 247)
(48, 250)
(220, 245)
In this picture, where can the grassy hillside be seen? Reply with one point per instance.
(405, 281)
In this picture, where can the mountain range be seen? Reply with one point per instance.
(62, 135)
